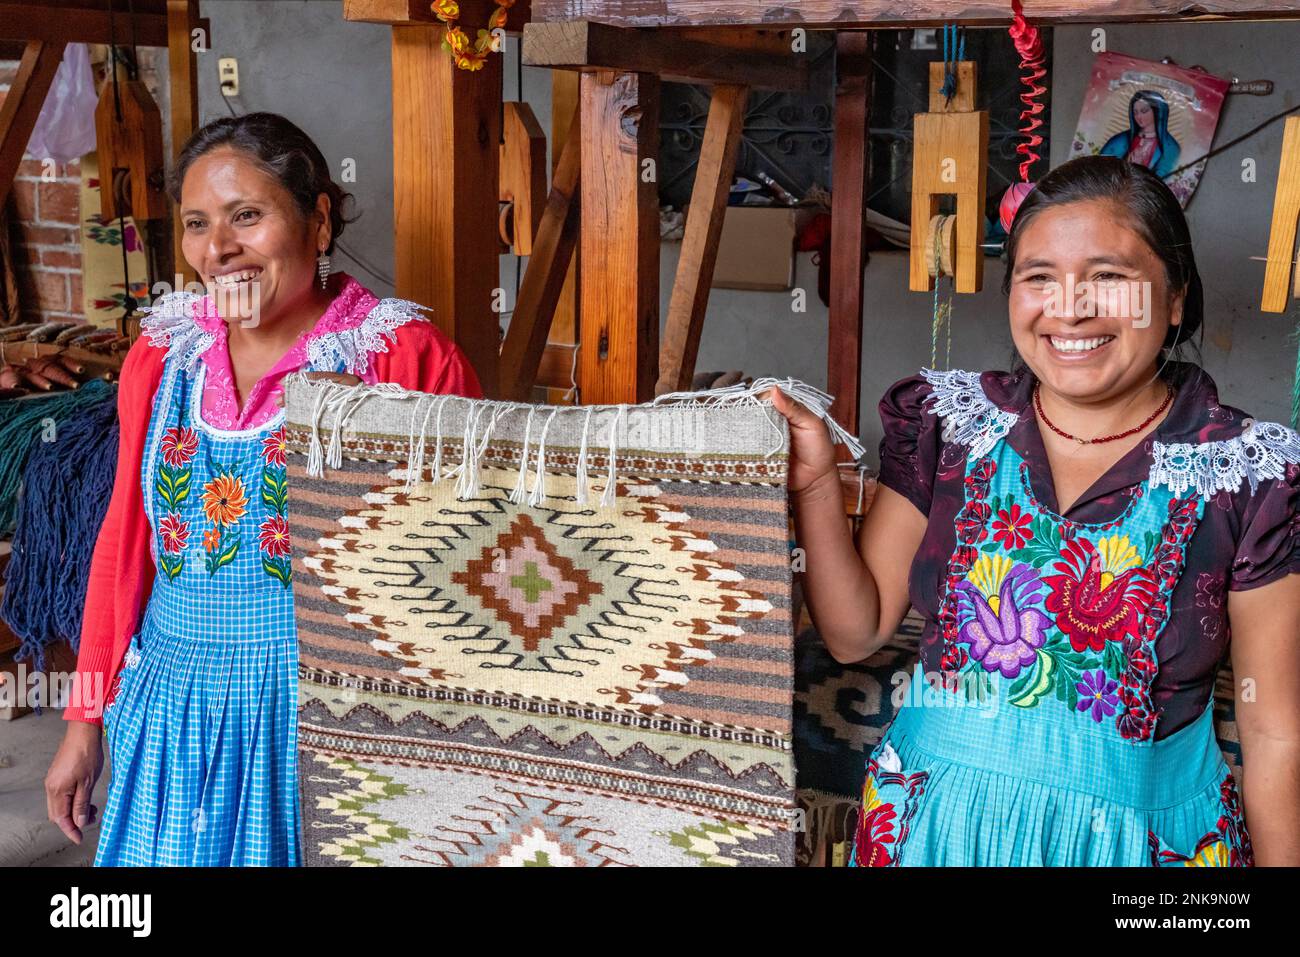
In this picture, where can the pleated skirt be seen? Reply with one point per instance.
(1008, 787)
(202, 744)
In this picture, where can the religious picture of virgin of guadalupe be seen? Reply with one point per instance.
(1157, 115)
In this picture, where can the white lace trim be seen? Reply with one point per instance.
(354, 346)
(1260, 453)
(969, 417)
(169, 323)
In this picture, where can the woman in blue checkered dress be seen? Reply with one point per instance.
(189, 636)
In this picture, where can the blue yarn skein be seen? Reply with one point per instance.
(66, 485)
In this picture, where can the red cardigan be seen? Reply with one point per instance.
(121, 570)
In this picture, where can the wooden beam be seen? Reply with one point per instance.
(446, 133)
(845, 14)
(81, 24)
(699, 252)
(849, 175)
(555, 373)
(548, 267)
(523, 173)
(182, 71)
(1286, 220)
(564, 323)
(593, 46)
(619, 356)
(22, 105)
(473, 13)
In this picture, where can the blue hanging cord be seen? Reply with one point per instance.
(952, 42)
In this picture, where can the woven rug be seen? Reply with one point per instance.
(586, 661)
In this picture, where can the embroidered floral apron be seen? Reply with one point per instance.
(1035, 744)
(202, 730)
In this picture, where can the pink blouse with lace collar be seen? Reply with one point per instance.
(349, 308)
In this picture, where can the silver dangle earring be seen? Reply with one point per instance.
(323, 268)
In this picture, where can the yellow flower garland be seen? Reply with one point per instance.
(456, 42)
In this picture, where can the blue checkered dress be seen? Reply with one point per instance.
(202, 730)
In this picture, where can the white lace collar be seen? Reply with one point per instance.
(171, 324)
(1261, 452)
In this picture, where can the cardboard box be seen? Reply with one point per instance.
(756, 249)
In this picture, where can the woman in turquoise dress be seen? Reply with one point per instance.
(188, 654)
(1089, 538)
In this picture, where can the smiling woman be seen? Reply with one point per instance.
(189, 623)
(1089, 537)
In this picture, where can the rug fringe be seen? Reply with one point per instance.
(339, 402)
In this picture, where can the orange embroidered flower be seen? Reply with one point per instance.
(212, 539)
(224, 499)
(446, 9)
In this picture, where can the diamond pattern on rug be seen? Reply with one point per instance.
(532, 587)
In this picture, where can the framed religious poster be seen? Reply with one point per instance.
(1157, 114)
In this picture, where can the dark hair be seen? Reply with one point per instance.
(282, 150)
(1155, 215)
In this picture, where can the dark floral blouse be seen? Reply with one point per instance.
(1243, 541)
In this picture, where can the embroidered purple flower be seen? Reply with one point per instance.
(1097, 694)
(1003, 632)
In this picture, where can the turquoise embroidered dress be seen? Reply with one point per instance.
(1028, 733)
(202, 729)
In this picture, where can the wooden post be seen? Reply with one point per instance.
(523, 174)
(564, 117)
(525, 342)
(182, 71)
(1286, 219)
(446, 134)
(849, 179)
(619, 358)
(699, 252)
(950, 148)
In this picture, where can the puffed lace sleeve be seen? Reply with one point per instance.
(909, 451)
(1269, 544)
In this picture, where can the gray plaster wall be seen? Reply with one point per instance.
(333, 78)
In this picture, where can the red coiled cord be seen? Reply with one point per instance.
(1029, 44)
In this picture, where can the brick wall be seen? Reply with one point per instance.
(45, 208)
(46, 230)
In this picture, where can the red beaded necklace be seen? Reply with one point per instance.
(1038, 407)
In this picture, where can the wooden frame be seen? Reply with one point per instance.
(47, 26)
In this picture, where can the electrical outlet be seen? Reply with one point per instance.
(228, 74)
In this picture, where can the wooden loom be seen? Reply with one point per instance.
(37, 32)
(618, 51)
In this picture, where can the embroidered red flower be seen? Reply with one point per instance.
(174, 533)
(179, 446)
(274, 536)
(274, 447)
(875, 835)
(1011, 527)
(1093, 604)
